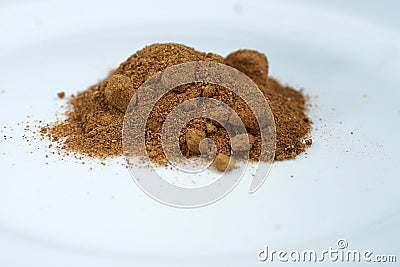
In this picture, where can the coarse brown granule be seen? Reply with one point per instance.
(223, 162)
(308, 142)
(61, 95)
(94, 124)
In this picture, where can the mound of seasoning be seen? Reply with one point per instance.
(94, 123)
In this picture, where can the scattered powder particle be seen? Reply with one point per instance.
(94, 122)
(308, 142)
(61, 95)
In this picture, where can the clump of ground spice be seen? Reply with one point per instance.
(94, 123)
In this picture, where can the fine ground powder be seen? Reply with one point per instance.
(93, 124)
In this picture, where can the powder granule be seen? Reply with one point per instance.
(94, 123)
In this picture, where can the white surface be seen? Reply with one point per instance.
(62, 214)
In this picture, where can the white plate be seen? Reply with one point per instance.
(346, 187)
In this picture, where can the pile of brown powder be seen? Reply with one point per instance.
(94, 124)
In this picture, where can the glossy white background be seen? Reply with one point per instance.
(61, 214)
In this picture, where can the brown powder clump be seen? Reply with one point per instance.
(94, 124)
(252, 63)
(223, 162)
